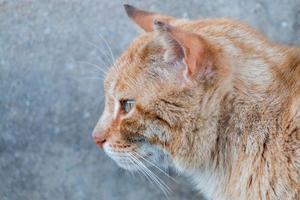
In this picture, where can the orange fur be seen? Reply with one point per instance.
(216, 97)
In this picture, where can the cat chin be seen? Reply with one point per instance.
(128, 166)
(123, 161)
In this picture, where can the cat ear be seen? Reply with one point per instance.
(189, 47)
(144, 19)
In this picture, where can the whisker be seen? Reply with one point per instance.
(95, 66)
(106, 66)
(108, 46)
(139, 170)
(152, 179)
(165, 188)
(104, 61)
(157, 167)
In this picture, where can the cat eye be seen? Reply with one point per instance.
(127, 105)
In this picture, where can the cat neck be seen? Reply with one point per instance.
(241, 127)
(240, 132)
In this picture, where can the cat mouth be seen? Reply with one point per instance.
(129, 160)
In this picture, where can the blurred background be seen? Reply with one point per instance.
(51, 90)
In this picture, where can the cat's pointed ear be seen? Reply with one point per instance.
(144, 19)
(190, 47)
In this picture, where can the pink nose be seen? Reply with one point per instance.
(99, 140)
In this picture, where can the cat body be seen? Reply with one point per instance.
(216, 98)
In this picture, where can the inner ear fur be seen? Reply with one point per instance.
(186, 46)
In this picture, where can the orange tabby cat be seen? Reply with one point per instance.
(213, 96)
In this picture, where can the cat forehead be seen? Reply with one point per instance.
(133, 62)
(122, 75)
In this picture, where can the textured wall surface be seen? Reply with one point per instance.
(51, 90)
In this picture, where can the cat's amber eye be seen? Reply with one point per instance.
(127, 105)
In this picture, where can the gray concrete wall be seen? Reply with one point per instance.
(51, 92)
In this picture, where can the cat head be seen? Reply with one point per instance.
(153, 94)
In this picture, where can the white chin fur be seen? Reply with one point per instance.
(126, 166)
(145, 155)
(123, 160)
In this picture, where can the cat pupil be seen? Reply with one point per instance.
(127, 105)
